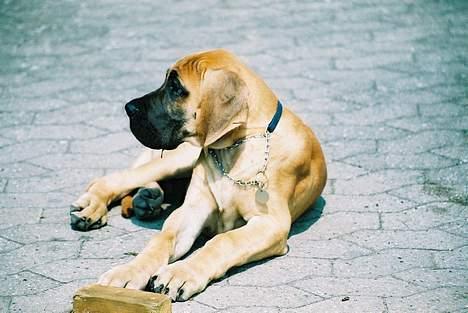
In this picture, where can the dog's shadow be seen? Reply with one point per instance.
(300, 225)
(303, 223)
(158, 222)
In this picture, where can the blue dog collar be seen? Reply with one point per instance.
(276, 118)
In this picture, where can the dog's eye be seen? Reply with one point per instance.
(175, 88)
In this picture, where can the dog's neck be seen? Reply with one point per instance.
(264, 121)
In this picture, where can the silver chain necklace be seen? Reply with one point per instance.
(260, 181)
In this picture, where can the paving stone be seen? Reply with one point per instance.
(374, 114)
(383, 263)
(105, 144)
(53, 132)
(419, 124)
(342, 132)
(434, 278)
(54, 181)
(420, 161)
(341, 149)
(459, 227)
(323, 103)
(5, 142)
(7, 245)
(284, 296)
(111, 123)
(450, 182)
(438, 109)
(29, 104)
(421, 142)
(340, 223)
(56, 300)
(316, 119)
(419, 193)
(339, 170)
(337, 305)
(117, 247)
(30, 233)
(78, 113)
(422, 239)
(3, 184)
(437, 300)
(456, 152)
(192, 307)
(451, 259)
(56, 161)
(25, 283)
(367, 203)
(10, 216)
(376, 60)
(424, 217)
(278, 271)
(28, 150)
(377, 287)
(36, 200)
(37, 253)
(75, 269)
(15, 118)
(413, 83)
(376, 182)
(324, 249)
(45, 88)
(4, 303)
(21, 170)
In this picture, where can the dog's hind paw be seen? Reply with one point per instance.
(147, 203)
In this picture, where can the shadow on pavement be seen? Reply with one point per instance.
(311, 216)
(308, 218)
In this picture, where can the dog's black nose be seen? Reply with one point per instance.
(132, 108)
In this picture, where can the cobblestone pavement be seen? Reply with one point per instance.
(383, 83)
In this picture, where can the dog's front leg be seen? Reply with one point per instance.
(89, 211)
(179, 232)
(261, 237)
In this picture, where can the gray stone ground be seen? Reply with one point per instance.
(383, 83)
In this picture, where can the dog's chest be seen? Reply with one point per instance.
(233, 199)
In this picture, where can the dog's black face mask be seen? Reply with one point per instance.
(157, 119)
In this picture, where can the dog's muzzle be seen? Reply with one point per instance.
(162, 137)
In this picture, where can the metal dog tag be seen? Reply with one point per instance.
(261, 196)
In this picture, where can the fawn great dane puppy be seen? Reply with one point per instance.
(254, 168)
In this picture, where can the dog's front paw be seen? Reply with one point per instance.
(147, 203)
(178, 281)
(88, 212)
(125, 275)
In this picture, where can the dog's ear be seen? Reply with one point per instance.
(223, 105)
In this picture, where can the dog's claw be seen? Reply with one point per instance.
(81, 223)
(74, 208)
(159, 289)
(150, 286)
(179, 294)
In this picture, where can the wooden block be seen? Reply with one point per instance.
(104, 299)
